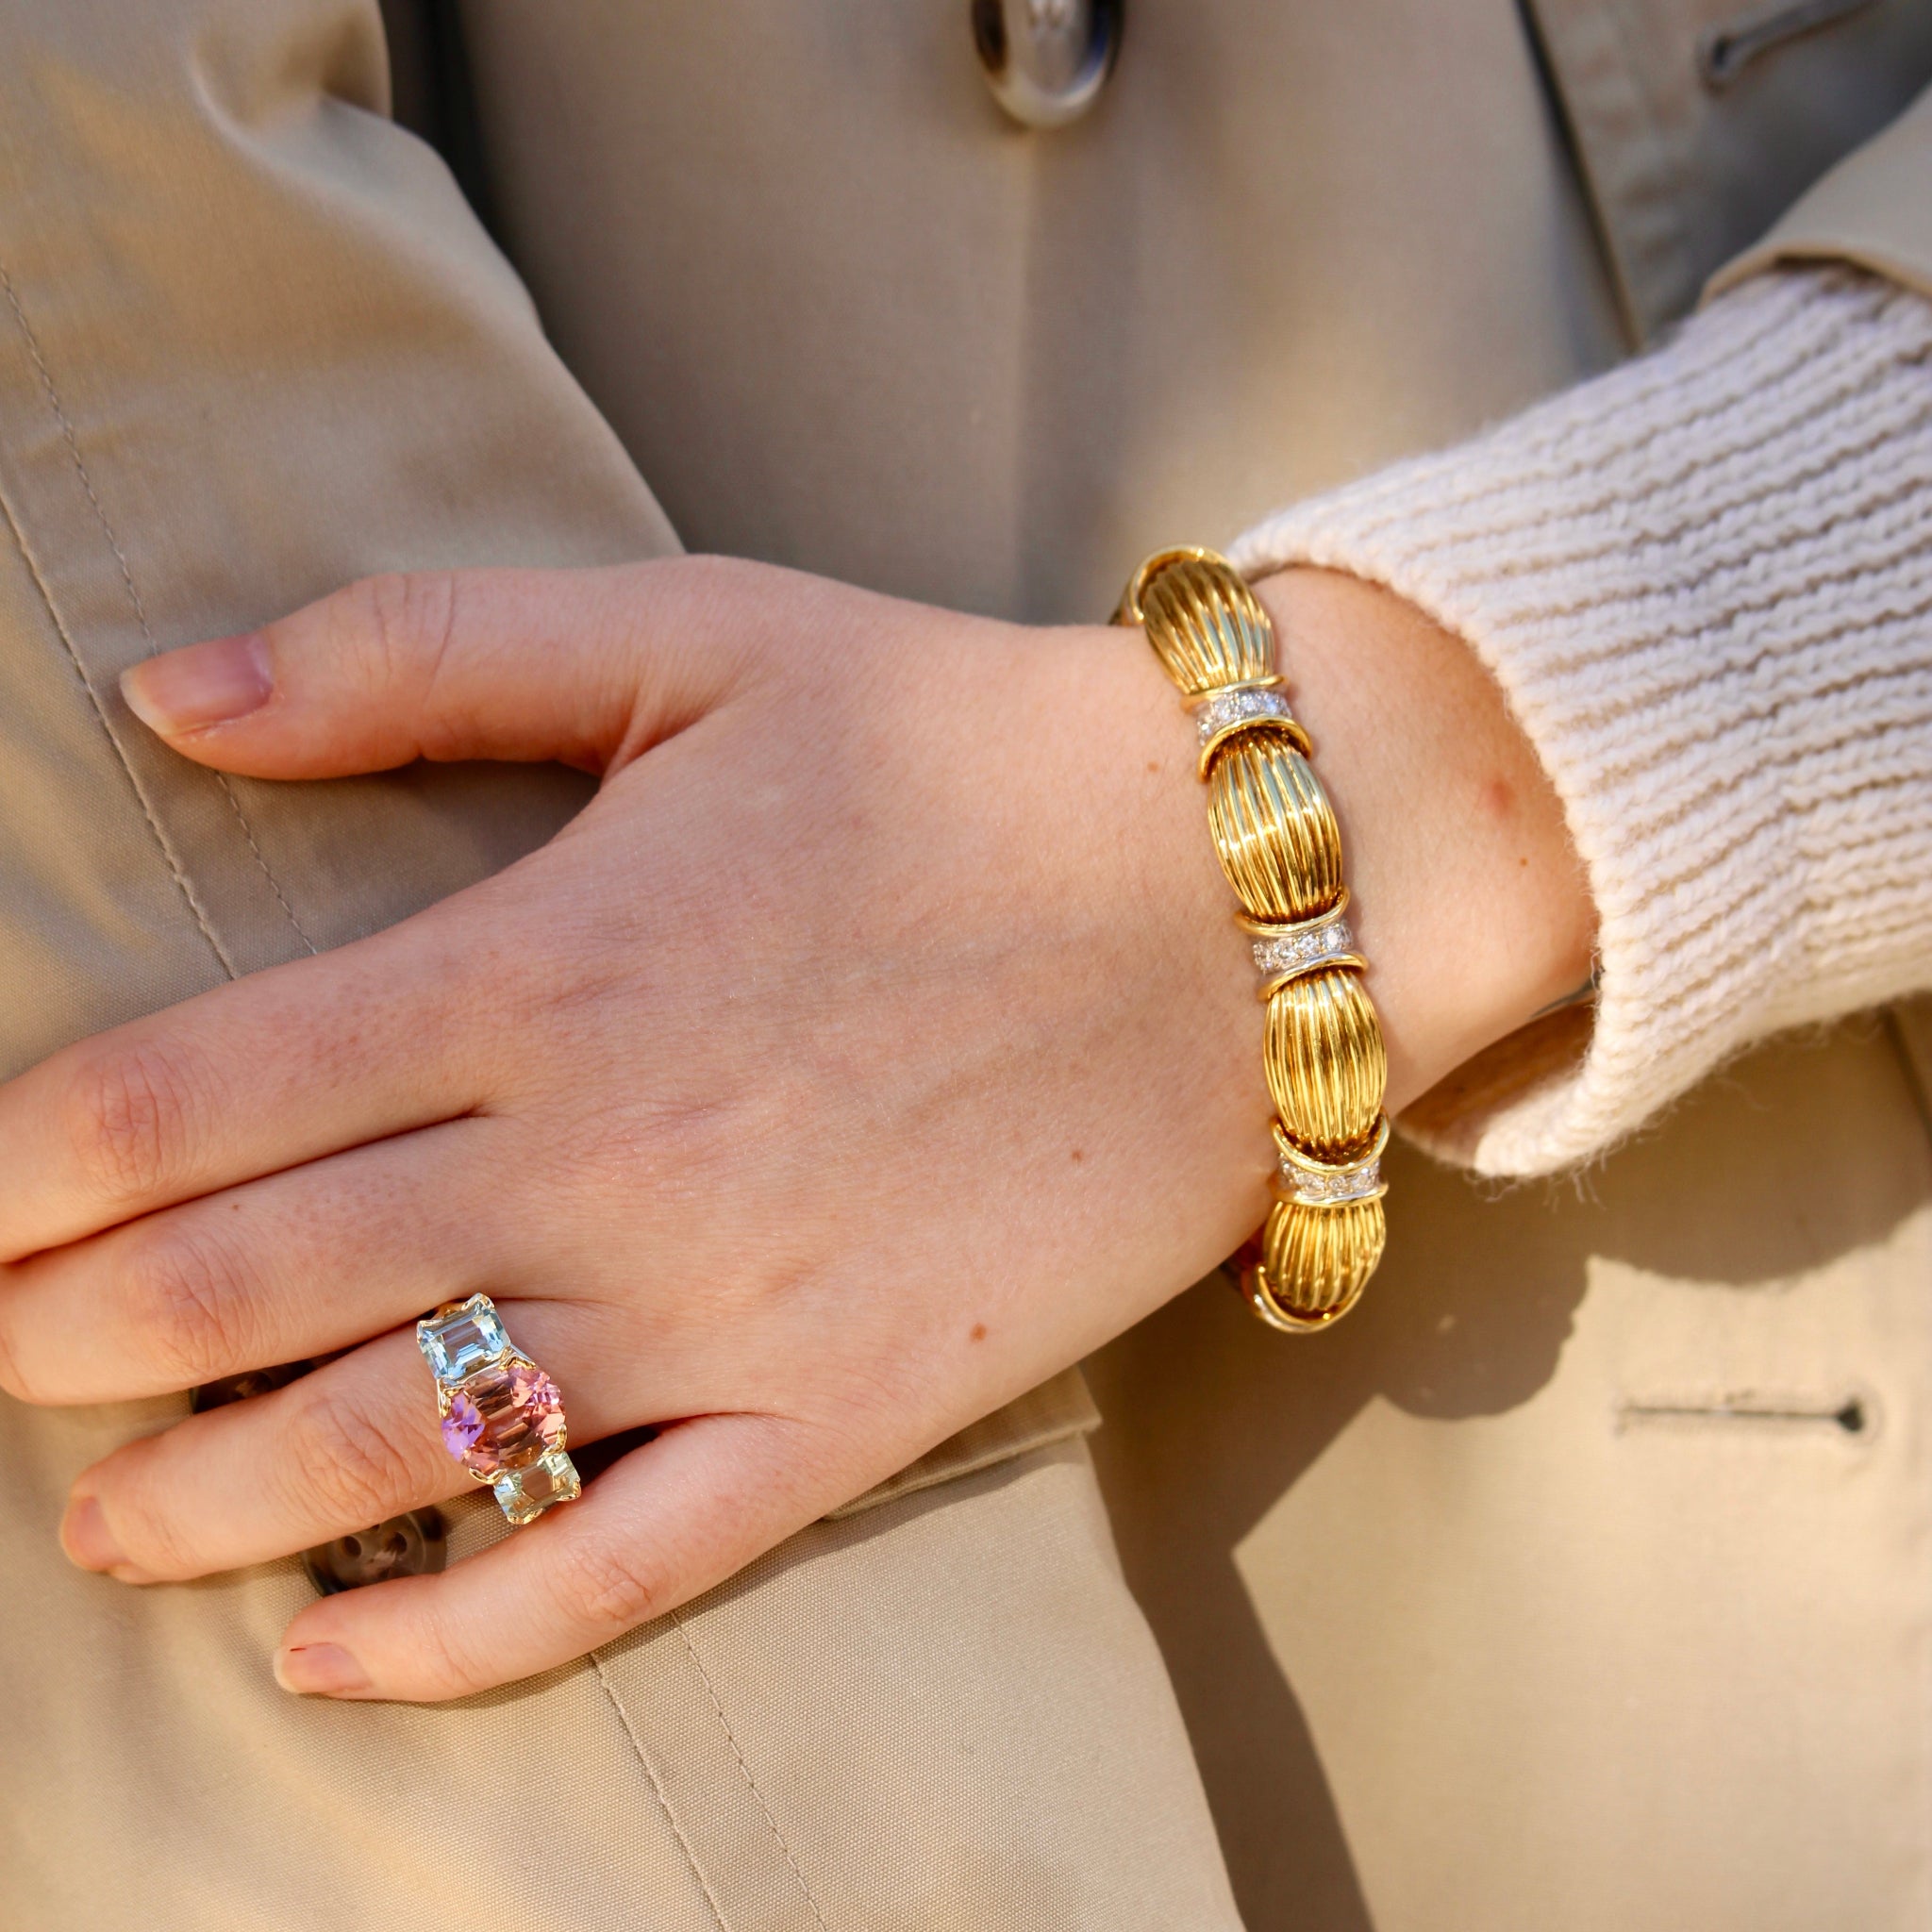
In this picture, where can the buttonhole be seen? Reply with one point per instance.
(1851, 1415)
(1725, 52)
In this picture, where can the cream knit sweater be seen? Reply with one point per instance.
(1704, 583)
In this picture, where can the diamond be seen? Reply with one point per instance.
(1293, 951)
(1227, 709)
(458, 1341)
(1320, 1190)
(504, 1417)
(524, 1494)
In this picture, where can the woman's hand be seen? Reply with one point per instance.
(877, 1043)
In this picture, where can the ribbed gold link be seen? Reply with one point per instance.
(1273, 828)
(1206, 626)
(1275, 834)
(1325, 1063)
(1317, 1259)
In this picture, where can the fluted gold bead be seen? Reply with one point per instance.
(1326, 1062)
(1315, 1260)
(1273, 828)
(1204, 623)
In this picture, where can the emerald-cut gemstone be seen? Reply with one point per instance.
(458, 1341)
(524, 1494)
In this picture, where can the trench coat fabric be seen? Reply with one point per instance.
(1581, 1578)
(252, 345)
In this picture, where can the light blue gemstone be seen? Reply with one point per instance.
(524, 1494)
(467, 1338)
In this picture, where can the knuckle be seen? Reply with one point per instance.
(145, 1508)
(442, 1653)
(156, 1539)
(134, 1116)
(186, 1303)
(344, 1461)
(712, 574)
(603, 1591)
(405, 619)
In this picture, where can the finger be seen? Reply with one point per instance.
(354, 1444)
(282, 1066)
(657, 1529)
(454, 664)
(295, 1265)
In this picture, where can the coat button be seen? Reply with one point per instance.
(408, 1545)
(1046, 61)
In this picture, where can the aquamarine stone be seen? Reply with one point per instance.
(458, 1341)
(524, 1494)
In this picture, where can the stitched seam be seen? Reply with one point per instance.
(691, 1857)
(60, 624)
(247, 832)
(53, 397)
(745, 1772)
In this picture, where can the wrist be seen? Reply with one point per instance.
(1469, 900)
(1466, 899)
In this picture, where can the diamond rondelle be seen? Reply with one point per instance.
(1323, 1190)
(1231, 707)
(1291, 952)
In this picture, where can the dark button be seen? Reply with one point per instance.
(410, 1545)
(1046, 61)
(250, 1383)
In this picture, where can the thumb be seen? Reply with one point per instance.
(590, 667)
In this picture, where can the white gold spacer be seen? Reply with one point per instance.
(1286, 952)
(1220, 713)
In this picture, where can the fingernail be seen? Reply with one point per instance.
(86, 1538)
(200, 685)
(319, 1670)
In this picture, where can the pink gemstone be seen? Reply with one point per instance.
(462, 1425)
(504, 1417)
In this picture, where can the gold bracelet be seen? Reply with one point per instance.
(1275, 834)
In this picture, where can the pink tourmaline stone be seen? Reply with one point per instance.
(504, 1417)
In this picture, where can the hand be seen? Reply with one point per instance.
(877, 1043)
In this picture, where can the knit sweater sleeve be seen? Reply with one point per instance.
(1704, 582)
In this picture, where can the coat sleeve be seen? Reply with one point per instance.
(1704, 582)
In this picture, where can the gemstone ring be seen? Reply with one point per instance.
(502, 1416)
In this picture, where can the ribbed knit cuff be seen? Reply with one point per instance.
(1704, 581)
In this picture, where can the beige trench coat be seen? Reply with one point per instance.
(1584, 1579)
